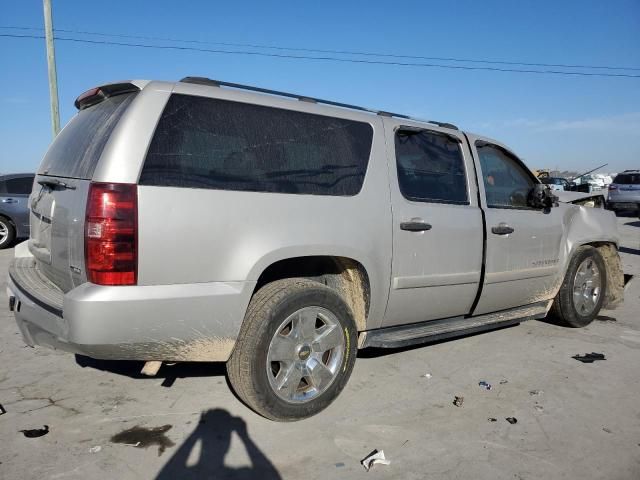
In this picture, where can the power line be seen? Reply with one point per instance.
(340, 52)
(326, 58)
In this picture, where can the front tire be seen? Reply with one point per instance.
(7, 233)
(581, 295)
(295, 351)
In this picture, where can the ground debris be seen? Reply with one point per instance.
(36, 432)
(426, 375)
(492, 419)
(512, 420)
(536, 392)
(457, 401)
(95, 449)
(589, 357)
(375, 457)
(485, 385)
(502, 382)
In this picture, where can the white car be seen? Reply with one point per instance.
(606, 179)
(595, 182)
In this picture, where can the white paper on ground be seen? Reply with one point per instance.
(376, 457)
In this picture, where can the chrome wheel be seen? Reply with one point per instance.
(305, 354)
(4, 232)
(586, 287)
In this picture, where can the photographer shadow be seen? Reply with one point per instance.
(214, 434)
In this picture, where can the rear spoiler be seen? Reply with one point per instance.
(98, 94)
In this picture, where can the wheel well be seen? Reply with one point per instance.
(8, 219)
(345, 275)
(615, 276)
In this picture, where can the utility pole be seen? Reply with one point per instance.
(51, 64)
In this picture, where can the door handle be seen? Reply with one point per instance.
(415, 226)
(502, 229)
(9, 200)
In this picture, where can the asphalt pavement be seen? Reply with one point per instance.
(574, 420)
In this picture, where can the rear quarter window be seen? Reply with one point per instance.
(77, 148)
(218, 144)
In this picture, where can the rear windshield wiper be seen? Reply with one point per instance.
(54, 182)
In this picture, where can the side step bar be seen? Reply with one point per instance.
(433, 330)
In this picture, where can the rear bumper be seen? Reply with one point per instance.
(187, 322)
(617, 204)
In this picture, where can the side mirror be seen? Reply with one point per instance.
(540, 196)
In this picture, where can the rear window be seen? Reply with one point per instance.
(627, 179)
(218, 144)
(77, 148)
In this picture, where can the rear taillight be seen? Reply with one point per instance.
(111, 237)
(613, 187)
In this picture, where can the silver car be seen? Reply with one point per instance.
(206, 221)
(624, 192)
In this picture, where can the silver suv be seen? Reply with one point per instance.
(208, 221)
(624, 192)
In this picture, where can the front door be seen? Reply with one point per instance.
(523, 243)
(437, 224)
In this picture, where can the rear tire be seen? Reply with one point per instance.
(583, 290)
(7, 233)
(295, 351)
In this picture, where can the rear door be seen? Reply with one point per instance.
(437, 224)
(523, 243)
(59, 198)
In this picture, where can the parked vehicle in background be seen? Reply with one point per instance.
(14, 207)
(556, 183)
(560, 183)
(203, 221)
(594, 182)
(606, 179)
(624, 192)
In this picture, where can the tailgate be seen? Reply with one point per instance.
(59, 198)
(57, 231)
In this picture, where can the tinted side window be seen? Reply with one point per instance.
(209, 143)
(430, 167)
(20, 185)
(506, 182)
(77, 148)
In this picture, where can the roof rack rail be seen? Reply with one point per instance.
(304, 98)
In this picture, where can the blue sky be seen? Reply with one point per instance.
(550, 121)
